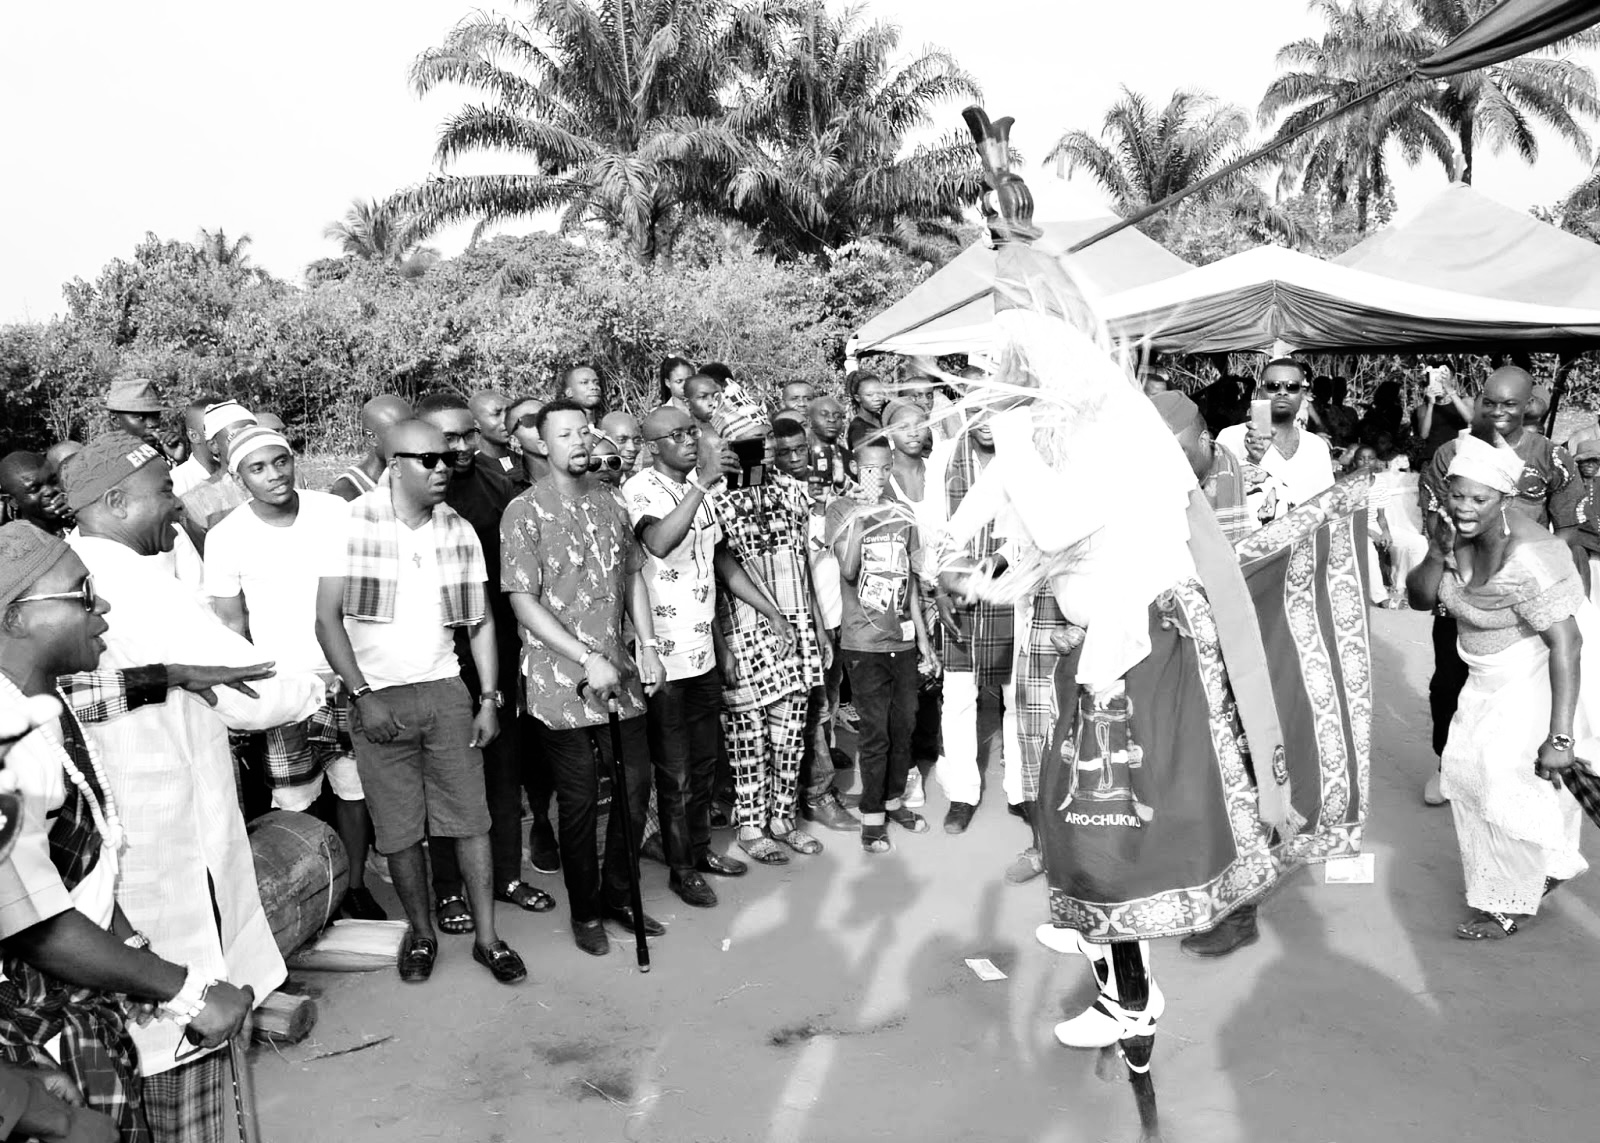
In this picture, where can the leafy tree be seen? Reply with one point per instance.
(375, 232)
(610, 109)
(1366, 44)
(830, 111)
(1143, 154)
(1501, 105)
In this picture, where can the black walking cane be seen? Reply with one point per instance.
(619, 806)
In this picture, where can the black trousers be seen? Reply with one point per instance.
(685, 730)
(1449, 676)
(576, 758)
(884, 684)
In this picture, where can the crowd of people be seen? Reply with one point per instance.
(428, 654)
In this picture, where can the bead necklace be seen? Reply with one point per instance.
(103, 812)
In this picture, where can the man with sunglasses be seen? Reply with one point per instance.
(188, 876)
(408, 574)
(1293, 463)
(480, 495)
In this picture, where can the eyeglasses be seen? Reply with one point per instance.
(430, 460)
(608, 463)
(678, 436)
(84, 595)
(1289, 387)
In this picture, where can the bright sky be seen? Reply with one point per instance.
(171, 115)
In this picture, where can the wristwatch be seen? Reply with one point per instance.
(495, 698)
(360, 693)
(1562, 742)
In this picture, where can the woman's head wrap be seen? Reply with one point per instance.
(1494, 467)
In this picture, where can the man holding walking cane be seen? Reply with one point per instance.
(571, 566)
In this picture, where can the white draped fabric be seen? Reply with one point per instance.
(172, 776)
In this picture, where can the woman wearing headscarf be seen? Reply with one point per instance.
(1522, 620)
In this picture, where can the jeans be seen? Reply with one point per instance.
(685, 729)
(884, 685)
(575, 757)
(1449, 676)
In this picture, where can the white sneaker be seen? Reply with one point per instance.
(1431, 794)
(1105, 1022)
(915, 797)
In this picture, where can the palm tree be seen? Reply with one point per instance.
(609, 108)
(1142, 155)
(1579, 212)
(219, 251)
(1366, 45)
(1500, 105)
(831, 113)
(374, 232)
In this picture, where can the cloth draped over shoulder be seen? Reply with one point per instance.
(373, 551)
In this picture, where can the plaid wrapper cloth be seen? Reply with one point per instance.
(186, 1105)
(1036, 687)
(100, 696)
(297, 752)
(35, 1008)
(1583, 783)
(1226, 489)
(372, 573)
(989, 647)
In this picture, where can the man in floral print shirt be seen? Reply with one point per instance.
(570, 563)
(682, 541)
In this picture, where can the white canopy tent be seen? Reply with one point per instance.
(1270, 295)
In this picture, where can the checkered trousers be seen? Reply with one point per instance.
(186, 1104)
(989, 629)
(1036, 688)
(765, 749)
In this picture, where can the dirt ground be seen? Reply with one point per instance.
(829, 1000)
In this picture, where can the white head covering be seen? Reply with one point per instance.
(219, 417)
(1497, 468)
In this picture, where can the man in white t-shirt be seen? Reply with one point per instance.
(262, 565)
(1290, 464)
(819, 801)
(202, 462)
(680, 536)
(409, 571)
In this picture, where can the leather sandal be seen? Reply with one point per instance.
(764, 850)
(1486, 926)
(800, 841)
(453, 915)
(525, 896)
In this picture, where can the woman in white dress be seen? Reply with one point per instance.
(1529, 637)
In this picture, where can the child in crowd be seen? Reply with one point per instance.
(882, 633)
(1575, 510)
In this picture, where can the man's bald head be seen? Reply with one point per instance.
(613, 424)
(624, 430)
(412, 435)
(826, 416)
(408, 476)
(677, 453)
(16, 467)
(382, 412)
(664, 420)
(489, 410)
(1503, 401)
(1511, 380)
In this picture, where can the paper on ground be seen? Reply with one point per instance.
(1357, 870)
(983, 968)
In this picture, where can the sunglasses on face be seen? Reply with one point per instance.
(605, 463)
(432, 460)
(1289, 387)
(84, 595)
(678, 436)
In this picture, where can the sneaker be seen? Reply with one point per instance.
(1105, 1022)
(1432, 794)
(829, 813)
(1028, 865)
(915, 797)
(847, 716)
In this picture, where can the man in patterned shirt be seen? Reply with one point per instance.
(571, 564)
(683, 557)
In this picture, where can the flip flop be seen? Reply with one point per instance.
(525, 896)
(454, 916)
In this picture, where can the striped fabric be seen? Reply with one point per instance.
(373, 563)
(990, 628)
(99, 696)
